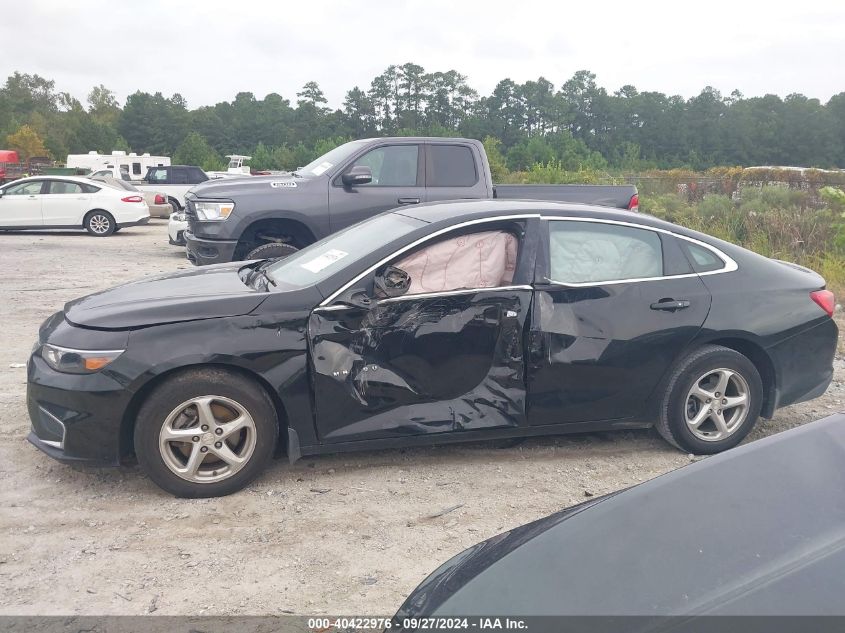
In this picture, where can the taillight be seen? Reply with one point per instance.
(825, 300)
(160, 199)
(132, 199)
(634, 203)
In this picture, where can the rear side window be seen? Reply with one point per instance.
(136, 169)
(196, 176)
(62, 186)
(180, 176)
(450, 166)
(591, 252)
(703, 260)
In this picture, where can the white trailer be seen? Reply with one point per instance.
(132, 165)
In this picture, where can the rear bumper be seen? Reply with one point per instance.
(139, 222)
(202, 251)
(804, 364)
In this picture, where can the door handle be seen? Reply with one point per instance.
(670, 305)
(409, 201)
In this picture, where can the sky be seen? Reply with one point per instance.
(208, 51)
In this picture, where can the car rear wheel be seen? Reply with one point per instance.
(174, 205)
(99, 223)
(272, 250)
(205, 433)
(712, 401)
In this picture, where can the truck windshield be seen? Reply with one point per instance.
(328, 160)
(316, 263)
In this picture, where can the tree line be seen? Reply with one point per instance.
(577, 125)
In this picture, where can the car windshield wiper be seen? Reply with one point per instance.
(259, 272)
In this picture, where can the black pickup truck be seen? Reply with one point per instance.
(272, 216)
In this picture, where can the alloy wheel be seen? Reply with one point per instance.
(207, 439)
(99, 223)
(717, 404)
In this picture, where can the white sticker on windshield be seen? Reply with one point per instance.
(276, 184)
(319, 169)
(324, 261)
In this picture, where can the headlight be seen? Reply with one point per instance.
(210, 211)
(77, 361)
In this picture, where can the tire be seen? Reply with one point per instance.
(272, 250)
(116, 229)
(174, 205)
(99, 223)
(179, 406)
(686, 419)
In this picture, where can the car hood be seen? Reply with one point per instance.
(757, 530)
(223, 188)
(200, 293)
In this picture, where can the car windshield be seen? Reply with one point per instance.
(328, 160)
(321, 260)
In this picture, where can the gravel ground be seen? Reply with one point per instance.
(347, 533)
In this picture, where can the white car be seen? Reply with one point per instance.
(176, 228)
(67, 202)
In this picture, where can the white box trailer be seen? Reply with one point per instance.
(132, 164)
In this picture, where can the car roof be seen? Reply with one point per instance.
(757, 529)
(80, 179)
(445, 210)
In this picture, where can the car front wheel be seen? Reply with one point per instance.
(205, 433)
(712, 401)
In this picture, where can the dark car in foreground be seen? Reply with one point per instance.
(445, 322)
(756, 531)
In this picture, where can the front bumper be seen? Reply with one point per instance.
(76, 418)
(202, 251)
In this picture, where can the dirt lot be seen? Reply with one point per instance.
(335, 534)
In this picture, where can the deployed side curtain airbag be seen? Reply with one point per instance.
(478, 260)
(603, 253)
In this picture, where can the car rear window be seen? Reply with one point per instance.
(451, 166)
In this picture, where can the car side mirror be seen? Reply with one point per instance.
(358, 175)
(392, 282)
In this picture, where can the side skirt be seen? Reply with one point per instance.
(295, 451)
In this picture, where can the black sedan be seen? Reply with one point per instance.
(756, 531)
(439, 323)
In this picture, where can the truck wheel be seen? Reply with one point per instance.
(99, 223)
(272, 250)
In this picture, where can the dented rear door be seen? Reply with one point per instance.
(435, 363)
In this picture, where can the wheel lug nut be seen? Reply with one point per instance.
(219, 431)
(719, 412)
(709, 401)
(724, 402)
(218, 444)
(718, 394)
(205, 426)
(203, 449)
(195, 438)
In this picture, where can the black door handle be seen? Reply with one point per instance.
(670, 304)
(409, 200)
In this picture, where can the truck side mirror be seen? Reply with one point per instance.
(392, 282)
(358, 175)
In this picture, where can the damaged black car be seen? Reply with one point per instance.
(443, 322)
